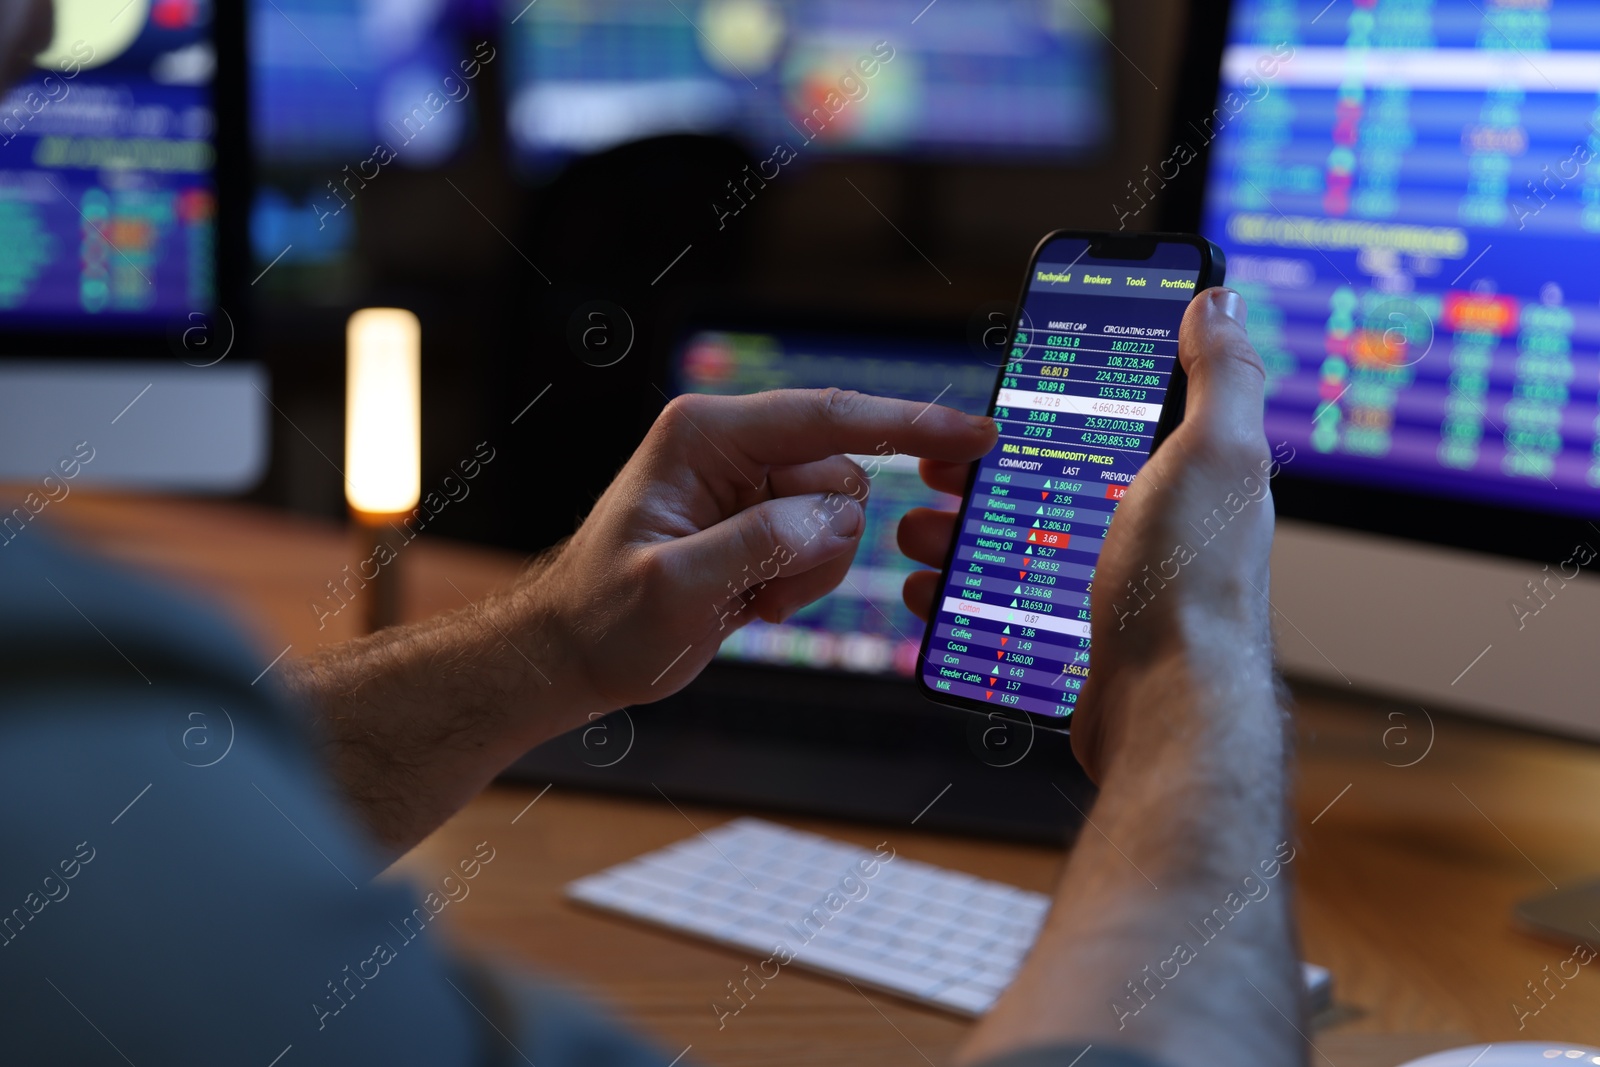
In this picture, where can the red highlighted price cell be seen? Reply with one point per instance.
(1047, 537)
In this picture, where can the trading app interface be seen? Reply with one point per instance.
(863, 626)
(107, 194)
(1409, 199)
(1077, 408)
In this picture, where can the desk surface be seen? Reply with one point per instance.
(1407, 874)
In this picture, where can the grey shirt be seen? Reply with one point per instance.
(179, 882)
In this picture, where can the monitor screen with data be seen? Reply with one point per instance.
(343, 93)
(956, 78)
(1408, 196)
(108, 201)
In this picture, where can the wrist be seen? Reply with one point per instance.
(1209, 702)
(543, 657)
(1193, 768)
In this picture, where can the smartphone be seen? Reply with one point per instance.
(1088, 387)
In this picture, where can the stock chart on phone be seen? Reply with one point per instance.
(1077, 408)
(863, 626)
(1408, 197)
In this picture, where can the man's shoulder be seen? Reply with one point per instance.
(70, 614)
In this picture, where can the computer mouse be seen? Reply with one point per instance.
(1510, 1054)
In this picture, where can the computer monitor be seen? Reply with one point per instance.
(995, 79)
(331, 77)
(331, 80)
(1407, 199)
(120, 168)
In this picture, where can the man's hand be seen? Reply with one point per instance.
(1184, 572)
(733, 508)
(1184, 567)
(1180, 725)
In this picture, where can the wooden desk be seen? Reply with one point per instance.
(1407, 874)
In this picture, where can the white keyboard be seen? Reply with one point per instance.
(931, 934)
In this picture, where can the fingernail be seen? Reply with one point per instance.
(981, 422)
(846, 521)
(1232, 305)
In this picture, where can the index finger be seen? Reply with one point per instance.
(787, 426)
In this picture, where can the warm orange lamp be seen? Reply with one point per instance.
(383, 435)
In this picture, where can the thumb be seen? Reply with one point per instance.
(779, 538)
(1226, 377)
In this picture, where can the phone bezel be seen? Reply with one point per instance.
(1212, 271)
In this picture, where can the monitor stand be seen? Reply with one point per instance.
(1568, 915)
(148, 426)
(861, 749)
(1436, 627)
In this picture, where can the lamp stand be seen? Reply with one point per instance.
(380, 597)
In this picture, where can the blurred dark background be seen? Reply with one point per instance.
(920, 199)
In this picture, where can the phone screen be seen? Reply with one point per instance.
(1079, 399)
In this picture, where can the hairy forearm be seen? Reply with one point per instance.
(417, 719)
(1172, 932)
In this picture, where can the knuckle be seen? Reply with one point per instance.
(1243, 355)
(759, 536)
(1224, 360)
(681, 413)
(837, 404)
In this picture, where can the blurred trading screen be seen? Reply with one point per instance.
(107, 194)
(995, 78)
(1408, 198)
